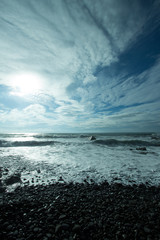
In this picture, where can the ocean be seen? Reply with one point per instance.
(32, 159)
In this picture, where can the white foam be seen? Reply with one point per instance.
(76, 159)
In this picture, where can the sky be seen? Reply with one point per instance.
(79, 65)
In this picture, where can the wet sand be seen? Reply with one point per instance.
(81, 211)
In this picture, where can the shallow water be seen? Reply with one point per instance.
(48, 158)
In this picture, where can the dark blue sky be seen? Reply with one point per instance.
(79, 66)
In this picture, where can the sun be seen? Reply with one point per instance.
(24, 84)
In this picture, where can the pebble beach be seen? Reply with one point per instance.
(81, 211)
(72, 187)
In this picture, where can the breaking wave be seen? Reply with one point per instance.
(45, 136)
(49, 142)
(114, 142)
(25, 143)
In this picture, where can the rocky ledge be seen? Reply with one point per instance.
(81, 211)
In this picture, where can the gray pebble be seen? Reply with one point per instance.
(62, 216)
(147, 230)
(36, 229)
(15, 233)
(76, 228)
(49, 235)
(9, 227)
(58, 228)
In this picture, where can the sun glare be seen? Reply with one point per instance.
(26, 84)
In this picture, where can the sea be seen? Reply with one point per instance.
(47, 158)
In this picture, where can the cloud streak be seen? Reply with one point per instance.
(76, 47)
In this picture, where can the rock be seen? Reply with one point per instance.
(76, 228)
(62, 216)
(31, 236)
(13, 179)
(141, 148)
(91, 138)
(65, 226)
(15, 232)
(60, 179)
(155, 137)
(147, 230)
(143, 153)
(9, 227)
(2, 189)
(91, 225)
(45, 238)
(39, 236)
(5, 224)
(49, 235)
(58, 228)
(36, 229)
(124, 236)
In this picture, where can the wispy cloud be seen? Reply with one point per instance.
(76, 46)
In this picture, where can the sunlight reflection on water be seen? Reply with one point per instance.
(77, 160)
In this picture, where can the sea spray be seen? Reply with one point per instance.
(46, 158)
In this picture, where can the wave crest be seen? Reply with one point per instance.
(114, 142)
(25, 143)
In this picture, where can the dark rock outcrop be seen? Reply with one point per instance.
(91, 138)
(141, 148)
(13, 179)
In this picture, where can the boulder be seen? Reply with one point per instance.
(91, 138)
(141, 148)
(155, 137)
(2, 189)
(13, 179)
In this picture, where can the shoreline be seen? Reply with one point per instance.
(81, 211)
